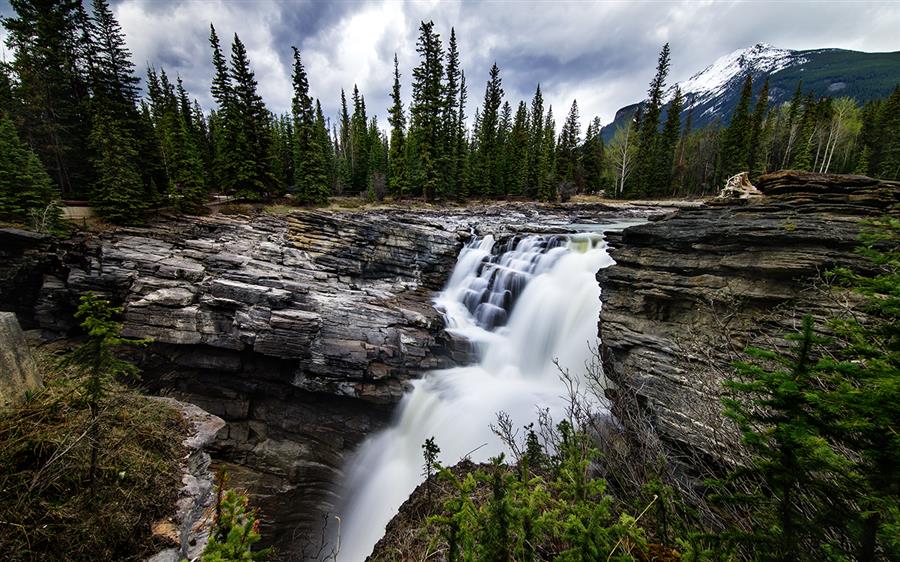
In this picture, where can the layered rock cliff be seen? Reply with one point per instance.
(689, 292)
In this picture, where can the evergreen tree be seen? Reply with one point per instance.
(345, 158)
(593, 154)
(757, 137)
(113, 81)
(426, 112)
(487, 170)
(52, 86)
(24, 184)
(518, 152)
(568, 161)
(536, 168)
(360, 146)
(118, 194)
(736, 142)
(397, 182)
(461, 152)
(252, 170)
(888, 164)
(646, 159)
(667, 144)
(546, 188)
(450, 128)
(310, 166)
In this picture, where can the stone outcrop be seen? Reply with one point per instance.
(192, 522)
(18, 371)
(690, 291)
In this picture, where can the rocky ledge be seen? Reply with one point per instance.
(688, 292)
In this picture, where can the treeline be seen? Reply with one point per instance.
(73, 125)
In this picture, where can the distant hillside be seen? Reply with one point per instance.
(713, 92)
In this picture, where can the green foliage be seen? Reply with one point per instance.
(310, 163)
(821, 421)
(235, 531)
(118, 195)
(563, 513)
(25, 186)
(49, 508)
(95, 361)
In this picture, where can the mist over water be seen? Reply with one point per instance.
(523, 306)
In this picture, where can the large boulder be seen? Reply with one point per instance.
(18, 370)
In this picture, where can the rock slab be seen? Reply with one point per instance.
(18, 371)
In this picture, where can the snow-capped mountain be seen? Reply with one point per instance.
(711, 83)
(713, 92)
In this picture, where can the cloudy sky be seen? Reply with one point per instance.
(601, 53)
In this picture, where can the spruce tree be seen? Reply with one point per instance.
(426, 112)
(668, 141)
(736, 140)
(646, 163)
(488, 156)
(462, 186)
(568, 160)
(397, 183)
(757, 136)
(546, 168)
(310, 166)
(50, 62)
(118, 193)
(24, 184)
(359, 144)
(113, 81)
(251, 152)
(593, 156)
(518, 152)
(535, 169)
(450, 160)
(345, 158)
(889, 138)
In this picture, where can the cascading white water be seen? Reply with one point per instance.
(523, 307)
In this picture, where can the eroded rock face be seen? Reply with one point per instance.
(18, 371)
(690, 291)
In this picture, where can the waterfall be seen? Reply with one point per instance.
(523, 305)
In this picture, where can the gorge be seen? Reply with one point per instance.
(305, 330)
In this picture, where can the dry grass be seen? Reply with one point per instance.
(46, 509)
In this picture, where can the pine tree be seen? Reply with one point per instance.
(252, 170)
(546, 188)
(450, 160)
(568, 163)
(487, 162)
(113, 81)
(118, 194)
(310, 165)
(757, 137)
(736, 142)
(426, 112)
(359, 143)
(535, 169)
(780, 420)
(667, 144)
(398, 178)
(50, 64)
(462, 187)
(518, 152)
(24, 184)
(593, 155)
(889, 138)
(648, 133)
(345, 161)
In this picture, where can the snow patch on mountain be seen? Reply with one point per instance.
(716, 78)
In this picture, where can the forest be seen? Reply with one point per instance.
(75, 124)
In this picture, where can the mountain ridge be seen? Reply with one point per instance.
(713, 92)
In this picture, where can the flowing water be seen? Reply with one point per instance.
(524, 306)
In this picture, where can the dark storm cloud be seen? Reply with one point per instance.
(602, 53)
